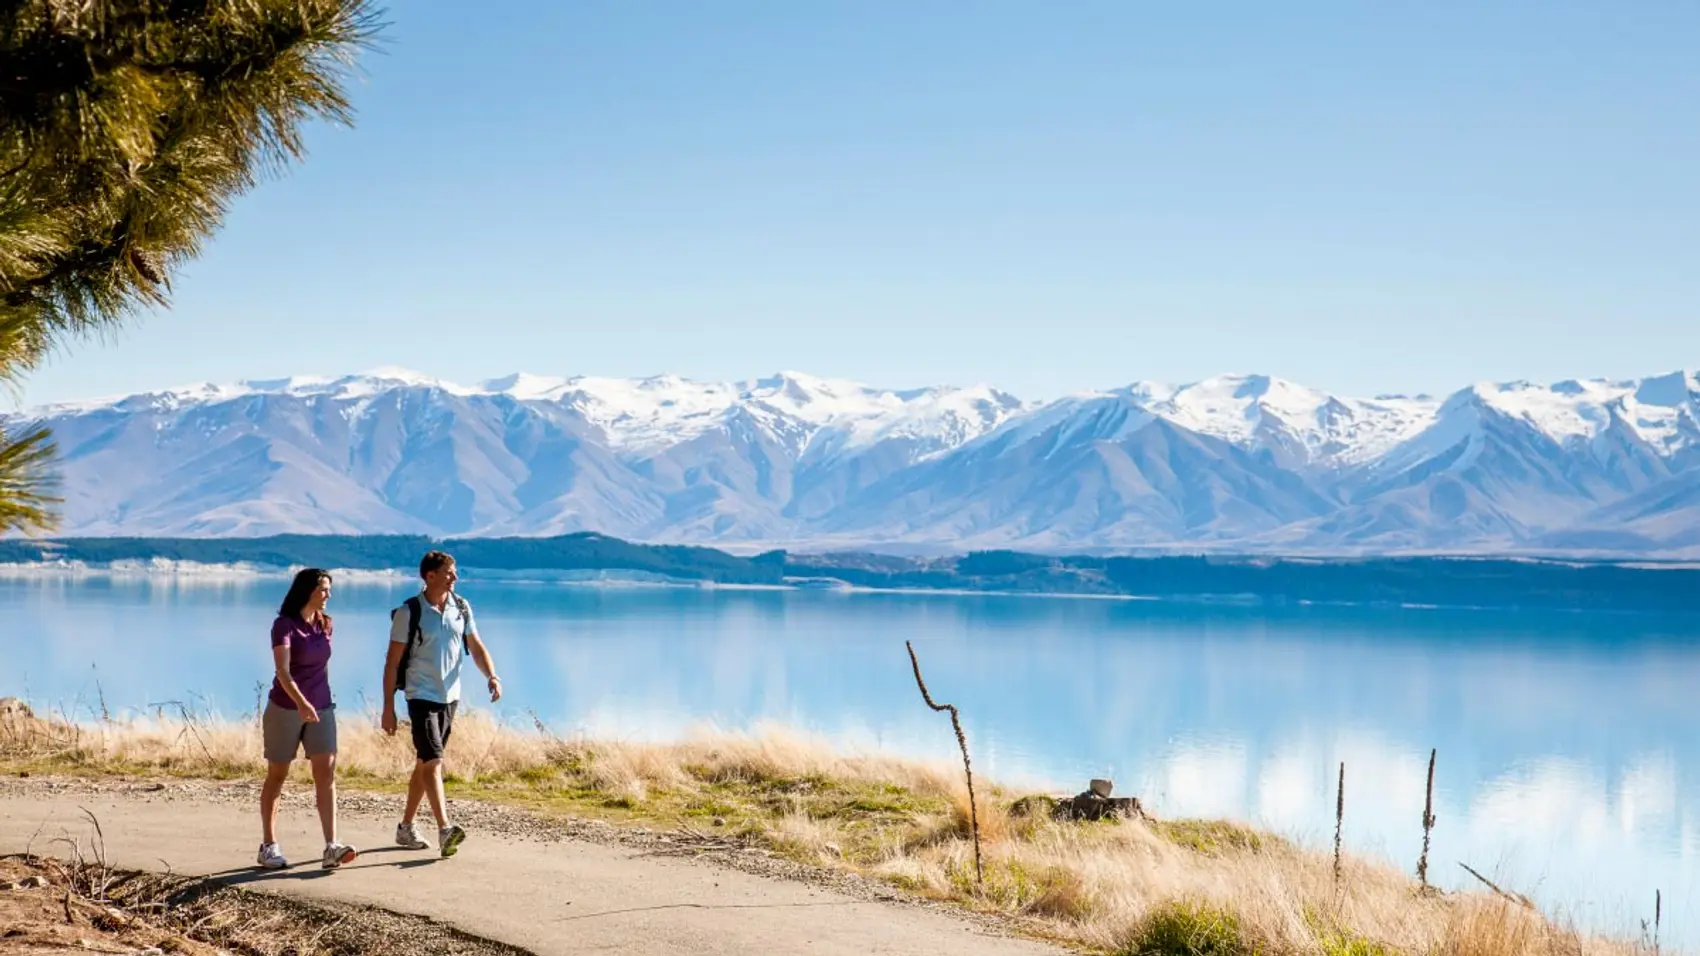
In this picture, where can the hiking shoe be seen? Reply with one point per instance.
(450, 838)
(336, 854)
(271, 857)
(407, 835)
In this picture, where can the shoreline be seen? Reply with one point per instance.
(197, 573)
(1467, 583)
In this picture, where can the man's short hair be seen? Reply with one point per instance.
(434, 561)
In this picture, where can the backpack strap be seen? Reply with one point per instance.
(465, 614)
(415, 607)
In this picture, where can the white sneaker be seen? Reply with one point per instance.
(336, 854)
(407, 835)
(449, 838)
(271, 857)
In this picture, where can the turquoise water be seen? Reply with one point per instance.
(1569, 760)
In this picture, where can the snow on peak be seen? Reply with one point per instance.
(367, 384)
(666, 410)
(1232, 406)
(833, 416)
(819, 401)
(396, 374)
(524, 386)
(1660, 410)
(166, 399)
(936, 419)
(1244, 409)
(1564, 410)
(651, 412)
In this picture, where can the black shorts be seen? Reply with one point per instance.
(432, 723)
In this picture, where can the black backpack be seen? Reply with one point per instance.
(414, 607)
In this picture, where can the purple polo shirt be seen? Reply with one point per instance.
(309, 661)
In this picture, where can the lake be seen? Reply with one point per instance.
(1569, 759)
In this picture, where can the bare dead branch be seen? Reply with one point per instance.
(1517, 898)
(1428, 823)
(968, 771)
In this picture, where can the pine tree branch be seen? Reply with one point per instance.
(127, 127)
(27, 483)
(136, 172)
(23, 343)
(48, 65)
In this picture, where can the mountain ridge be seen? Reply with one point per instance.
(1235, 462)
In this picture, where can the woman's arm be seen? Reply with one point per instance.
(280, 657)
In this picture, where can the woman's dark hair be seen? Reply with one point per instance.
(305, 583)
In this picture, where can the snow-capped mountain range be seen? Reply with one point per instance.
(1235, 463)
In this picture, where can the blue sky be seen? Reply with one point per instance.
(1049, 197)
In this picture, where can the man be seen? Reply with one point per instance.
(434, 631)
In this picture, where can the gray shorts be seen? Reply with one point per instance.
(286, 733)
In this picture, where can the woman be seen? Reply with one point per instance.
(301, 714)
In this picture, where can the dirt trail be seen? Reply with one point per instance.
(548, 896)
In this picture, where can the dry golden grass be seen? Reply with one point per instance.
(1115, 887)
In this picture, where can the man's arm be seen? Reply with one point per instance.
(391, 660)
(480, 653)
(481, 657)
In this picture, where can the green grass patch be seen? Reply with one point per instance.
(1347, 944)
(1036, 806)
(711, 808)
(538, 776)
(90, 769)
(1213, 837)
(883, 802)
(1334, 941)
(1011, 886)
(1185, 928)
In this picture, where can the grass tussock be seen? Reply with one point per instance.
(1213, 837)
(1189, 928)
(1193, 887)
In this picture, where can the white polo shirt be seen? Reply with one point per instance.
(433, 671)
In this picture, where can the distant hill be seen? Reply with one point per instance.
(576, 552)
(1451, 582)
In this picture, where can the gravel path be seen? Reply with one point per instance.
(545, 884)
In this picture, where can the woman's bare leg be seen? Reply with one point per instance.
(276, 774)
(324, 786)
